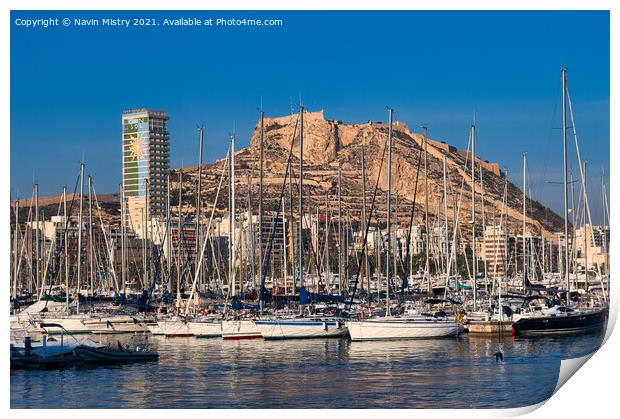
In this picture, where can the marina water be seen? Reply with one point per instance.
(324, 373)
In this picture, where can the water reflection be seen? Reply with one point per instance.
(329, 373)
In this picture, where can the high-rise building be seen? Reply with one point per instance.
(494, 250)
(146, 160)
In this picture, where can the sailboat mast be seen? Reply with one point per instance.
(484, 226)
(445, 210)
(503, 220)
(395, 241)
(473, 214)
(123, 238)
(564, 146)
(317, 280)
(180, 205)
(79, 252)
(364, 221)
(233, 226)
(15, 251)
(66, 239)
(505, 231)
(339, 230)
(586, 237)
(260, 204)
(91, 240)
(523, 216)
(145, 233)
(327, 272)
(168, 232)
(426, 226)
(198, 239)
(251, 239)
(389, 198)
(301, 195)
(284, 249)
(36, 235)
(292, 242)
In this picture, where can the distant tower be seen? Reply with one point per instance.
(146, 160)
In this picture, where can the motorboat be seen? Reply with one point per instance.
(560, 319)
(120, 354)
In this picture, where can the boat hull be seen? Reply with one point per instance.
(154, 329)
(115, 325)
(205, 329)
(100, 355)
(291, 329)
(559, 325)
(174, 328)
(240, 329)
(401, 329)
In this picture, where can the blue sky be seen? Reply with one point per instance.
(69, 85)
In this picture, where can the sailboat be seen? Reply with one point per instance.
(563, 319)
(304, 326)
(184, 325)
(390, 327)
(236, 327)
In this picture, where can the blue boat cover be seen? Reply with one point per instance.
(306, 297)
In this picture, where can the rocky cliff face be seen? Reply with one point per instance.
(330, 144)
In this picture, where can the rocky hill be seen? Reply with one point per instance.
(330, 144)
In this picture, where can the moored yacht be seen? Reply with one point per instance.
(560, 320)
(396, 328)
(301, 328)
(240, 329)
(205, 327)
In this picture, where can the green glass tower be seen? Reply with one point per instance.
(146, 160)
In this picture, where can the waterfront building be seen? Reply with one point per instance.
(494, 247)
(417, 240)
(146, 161)
(595, 241)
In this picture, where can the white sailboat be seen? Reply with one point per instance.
(390, 327)
(395, 328)
(173, 327)
(236, 327)
(240, 329)
(205, 328)
(301, 328)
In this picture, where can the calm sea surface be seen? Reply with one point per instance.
(331, 373)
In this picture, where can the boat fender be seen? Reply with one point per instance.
(325, 326)
(459, 317)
